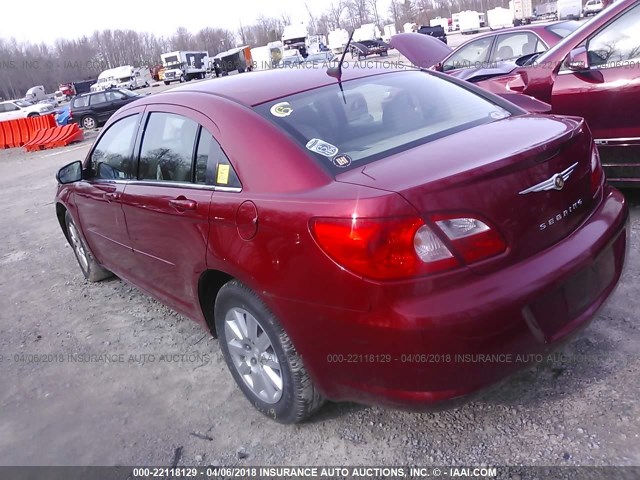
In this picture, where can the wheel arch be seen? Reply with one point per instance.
(61, 212)
(209, 284)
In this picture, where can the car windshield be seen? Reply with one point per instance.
(23, 103)
(562, 29)
(378, 116)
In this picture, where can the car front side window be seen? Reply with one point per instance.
(516, 45)
(167, 148)
(474, 55)
(619, 43)
(111, 158)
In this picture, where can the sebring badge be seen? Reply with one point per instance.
(556, 182)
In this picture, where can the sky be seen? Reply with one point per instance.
(46, 20)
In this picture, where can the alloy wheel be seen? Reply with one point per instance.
(253, 355)
(78, 247)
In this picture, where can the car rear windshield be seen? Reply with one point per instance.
(377, 116)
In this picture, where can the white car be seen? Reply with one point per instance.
(12, 109)
(592, 7)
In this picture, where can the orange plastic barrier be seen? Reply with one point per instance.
(54, 137)
(16, 133)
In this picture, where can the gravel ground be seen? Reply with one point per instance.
(183, 407)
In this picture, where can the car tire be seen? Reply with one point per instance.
(182, 79)
(166, 83)
(297, 398)
(91, 269)
(89, 122)
(31, 115)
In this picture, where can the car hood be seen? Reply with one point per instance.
(422, 50)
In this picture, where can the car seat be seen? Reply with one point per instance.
(505, 52)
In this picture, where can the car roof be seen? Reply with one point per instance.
(254, 88)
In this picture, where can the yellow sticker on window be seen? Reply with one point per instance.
(223, 174)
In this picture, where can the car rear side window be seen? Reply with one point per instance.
(378, 116)
(80, 102)
(212, 165)
(167, 148)
(111, 158)
(97, 99)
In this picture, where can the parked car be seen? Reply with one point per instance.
(93, 109)
(367, 48)
(592, 73)
(374, 233)
(486, 50)
(320, 57)
(436, 31)
(592, 7)
(14, 109)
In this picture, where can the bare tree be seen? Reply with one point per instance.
(335, 14)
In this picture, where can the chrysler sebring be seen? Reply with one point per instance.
(387, 237)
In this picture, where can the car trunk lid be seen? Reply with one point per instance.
(505, 173)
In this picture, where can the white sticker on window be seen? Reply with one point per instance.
(322, 147)
(281, 110)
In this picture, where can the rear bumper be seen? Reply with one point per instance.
(416, 350)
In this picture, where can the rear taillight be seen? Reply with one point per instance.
(395, 248)
(470, 237)
(382, 248)
(597, 173)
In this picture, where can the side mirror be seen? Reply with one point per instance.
(70, 173)
(438, 67)
(577, 60)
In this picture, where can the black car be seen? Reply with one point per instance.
(365, 48)
(93, 109)
(436, 32)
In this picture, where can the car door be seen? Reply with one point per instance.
(167, 208)
(117, 99)
(11, 111)
(607, 94)
(100, 107)
(98, 198)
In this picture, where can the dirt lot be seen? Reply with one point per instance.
(184, 407)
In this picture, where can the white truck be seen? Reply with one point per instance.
(35, 94)
(337, 40)
(368, 31)
(388, 32)
(294, 37)
(261, 58)
(441, 22)
(183, 66)
(469, 22)
(523, 11)
(569, 9)
(500, 18)
(126, 77)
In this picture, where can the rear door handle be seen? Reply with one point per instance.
(181, 204)
(111, 196)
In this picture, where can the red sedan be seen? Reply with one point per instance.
(592, 73)
(487, 49)
(399, 238)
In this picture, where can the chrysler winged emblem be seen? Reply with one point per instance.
(556, 182)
